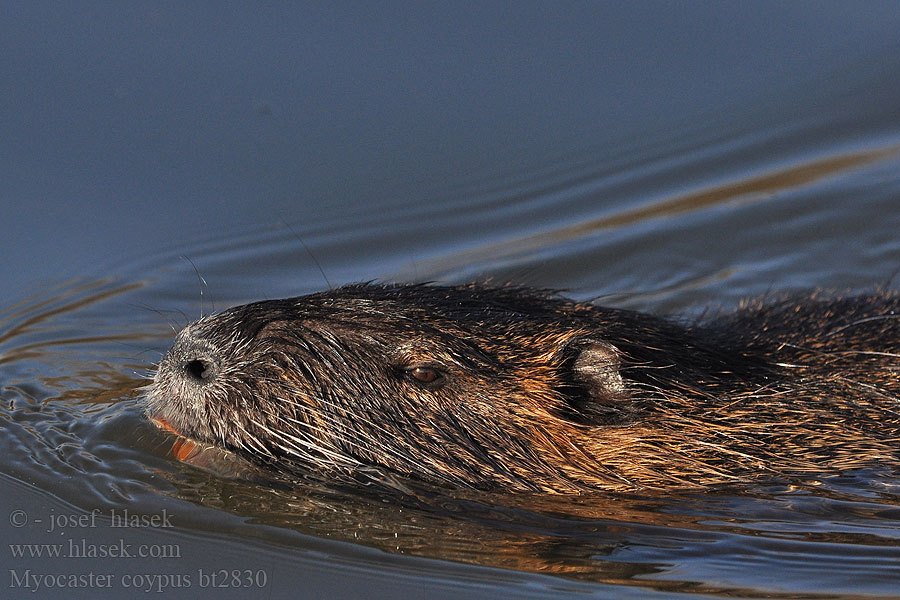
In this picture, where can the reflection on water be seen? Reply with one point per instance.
(664, 542)
(758, 187)
(66, 369)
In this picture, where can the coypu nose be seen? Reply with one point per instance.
(193, 359)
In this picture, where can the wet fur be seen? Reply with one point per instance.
(540, 392)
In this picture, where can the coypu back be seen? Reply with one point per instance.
(522, 389)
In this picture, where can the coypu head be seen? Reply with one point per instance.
(473, 386)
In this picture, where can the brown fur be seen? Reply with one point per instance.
(537, 392)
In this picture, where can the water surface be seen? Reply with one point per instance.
(161, 162)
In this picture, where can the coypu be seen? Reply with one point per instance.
(525, 390)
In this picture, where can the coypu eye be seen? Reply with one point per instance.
(425, 375)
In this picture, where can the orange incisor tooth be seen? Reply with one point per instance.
(183, 449)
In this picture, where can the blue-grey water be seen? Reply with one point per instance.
(159, 161)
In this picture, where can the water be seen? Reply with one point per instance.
(668, 158)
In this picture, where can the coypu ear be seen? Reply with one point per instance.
(593, 384)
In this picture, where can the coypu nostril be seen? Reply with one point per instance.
(201, 371)
(192, 359)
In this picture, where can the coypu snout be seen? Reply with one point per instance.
(186, 380)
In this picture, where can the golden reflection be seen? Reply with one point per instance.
(754, 189)
(618, 539)
(36, 314)
(26, 307)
